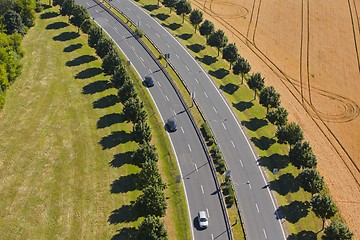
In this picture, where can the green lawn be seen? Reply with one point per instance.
(65, 148)
(293, 202)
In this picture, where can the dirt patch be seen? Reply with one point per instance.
(308, 50)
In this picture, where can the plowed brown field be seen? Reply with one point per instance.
(308, 50)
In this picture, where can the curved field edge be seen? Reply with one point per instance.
(297, 216)
(59, 179)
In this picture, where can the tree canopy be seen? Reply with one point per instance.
(146, 152)
(183, 7)
(311, 181)
(256, 83)
(230, 53)
(217, 39)
(269, 98)
(241, 66)
(196, 17)
(13, 23)
(152, 201)
(141, 132)
(291, 133)
(323, 207)
(170, 4)
(104, 46)
(110, 61)
(120, 76)
(94, 35)
(337, 231)
(151, 228)
(206, 29)
(80, 14)
(127, 91)
(150, 176)
(302, 156)
(278, 116)
(134, 110)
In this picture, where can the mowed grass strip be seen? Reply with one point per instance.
(293, 201)
(65, 166)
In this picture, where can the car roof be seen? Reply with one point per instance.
(202, 214)
(149, 77)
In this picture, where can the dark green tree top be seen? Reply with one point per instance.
(196, 17)
(256, 83)
(217, 39)
(311, 181)
(337, 231)
(183, 7)
(152, 201)
(104, 46)
(149, 176)
(206, 28)
(152, 228)
(323, 207)
(170, 4)
(278, 116)
(241, 66)
(269, 98)
(110, 61)
(80, 14)
(146, 152)
(230, 53)
(13, 23)
(302, 156)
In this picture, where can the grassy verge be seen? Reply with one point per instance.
(293, 201)
(65, 151)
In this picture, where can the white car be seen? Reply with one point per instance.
(203, 220)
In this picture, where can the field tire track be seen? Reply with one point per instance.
(294, 92)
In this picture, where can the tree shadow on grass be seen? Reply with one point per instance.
(121, 159)
(172, 26)
(124, 184)
(196, 48)
(66, 36)
(88, 73)
(285, 184)
(185, 36)
(303, 235)
(229, 88)
(96, 87)
(107, 101)
(72, 47)
(56, 25)
(207, 59)
(48, 15)
(242, 105)
(126, 213)
(294, 211)
(162, 16)
(110, 119)
(254, 124)
(264, 143)
(80, 60)
(125, 234)
(151, 7)
(114, 139)
(220, 73)
(274, 161)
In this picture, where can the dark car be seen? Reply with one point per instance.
(149, 81)
(171, 125)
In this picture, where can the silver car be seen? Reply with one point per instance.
(203, 220)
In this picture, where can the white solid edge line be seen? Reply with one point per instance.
(171, 143)
(252, 151)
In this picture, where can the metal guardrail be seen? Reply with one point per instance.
(220, 195)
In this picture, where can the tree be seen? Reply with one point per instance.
(302, 156)
(149, 176)
(269, 98)
(278, 116)
(134, 110)
(4, 82)
(311, 181)
(141, 132)
(230, 53)
(13, 23)
(256, 83)
(183, 7)
(95, 33)
(110, 61)
(127, 91)
(151, 228)
(104, 46)
(86, 25)
(206, 29)
(323, 207)
(218, 40)
(152, 201)
(26, 9)
(120, 76)
(241, 66)
(196, 17)
(170, 4)
(67, 8)
(80, 14)
(337, 231)
(291, 133)
(146, 152)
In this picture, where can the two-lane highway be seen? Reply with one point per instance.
(255, 199)
(196, 174)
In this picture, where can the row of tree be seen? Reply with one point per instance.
(152, 201)
(301, 154)
(16, 17)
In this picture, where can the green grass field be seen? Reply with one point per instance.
(65, 148)
(293, 201)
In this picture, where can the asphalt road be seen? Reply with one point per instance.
(196, 174)
(255, 199)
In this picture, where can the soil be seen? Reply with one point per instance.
(309, 51)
